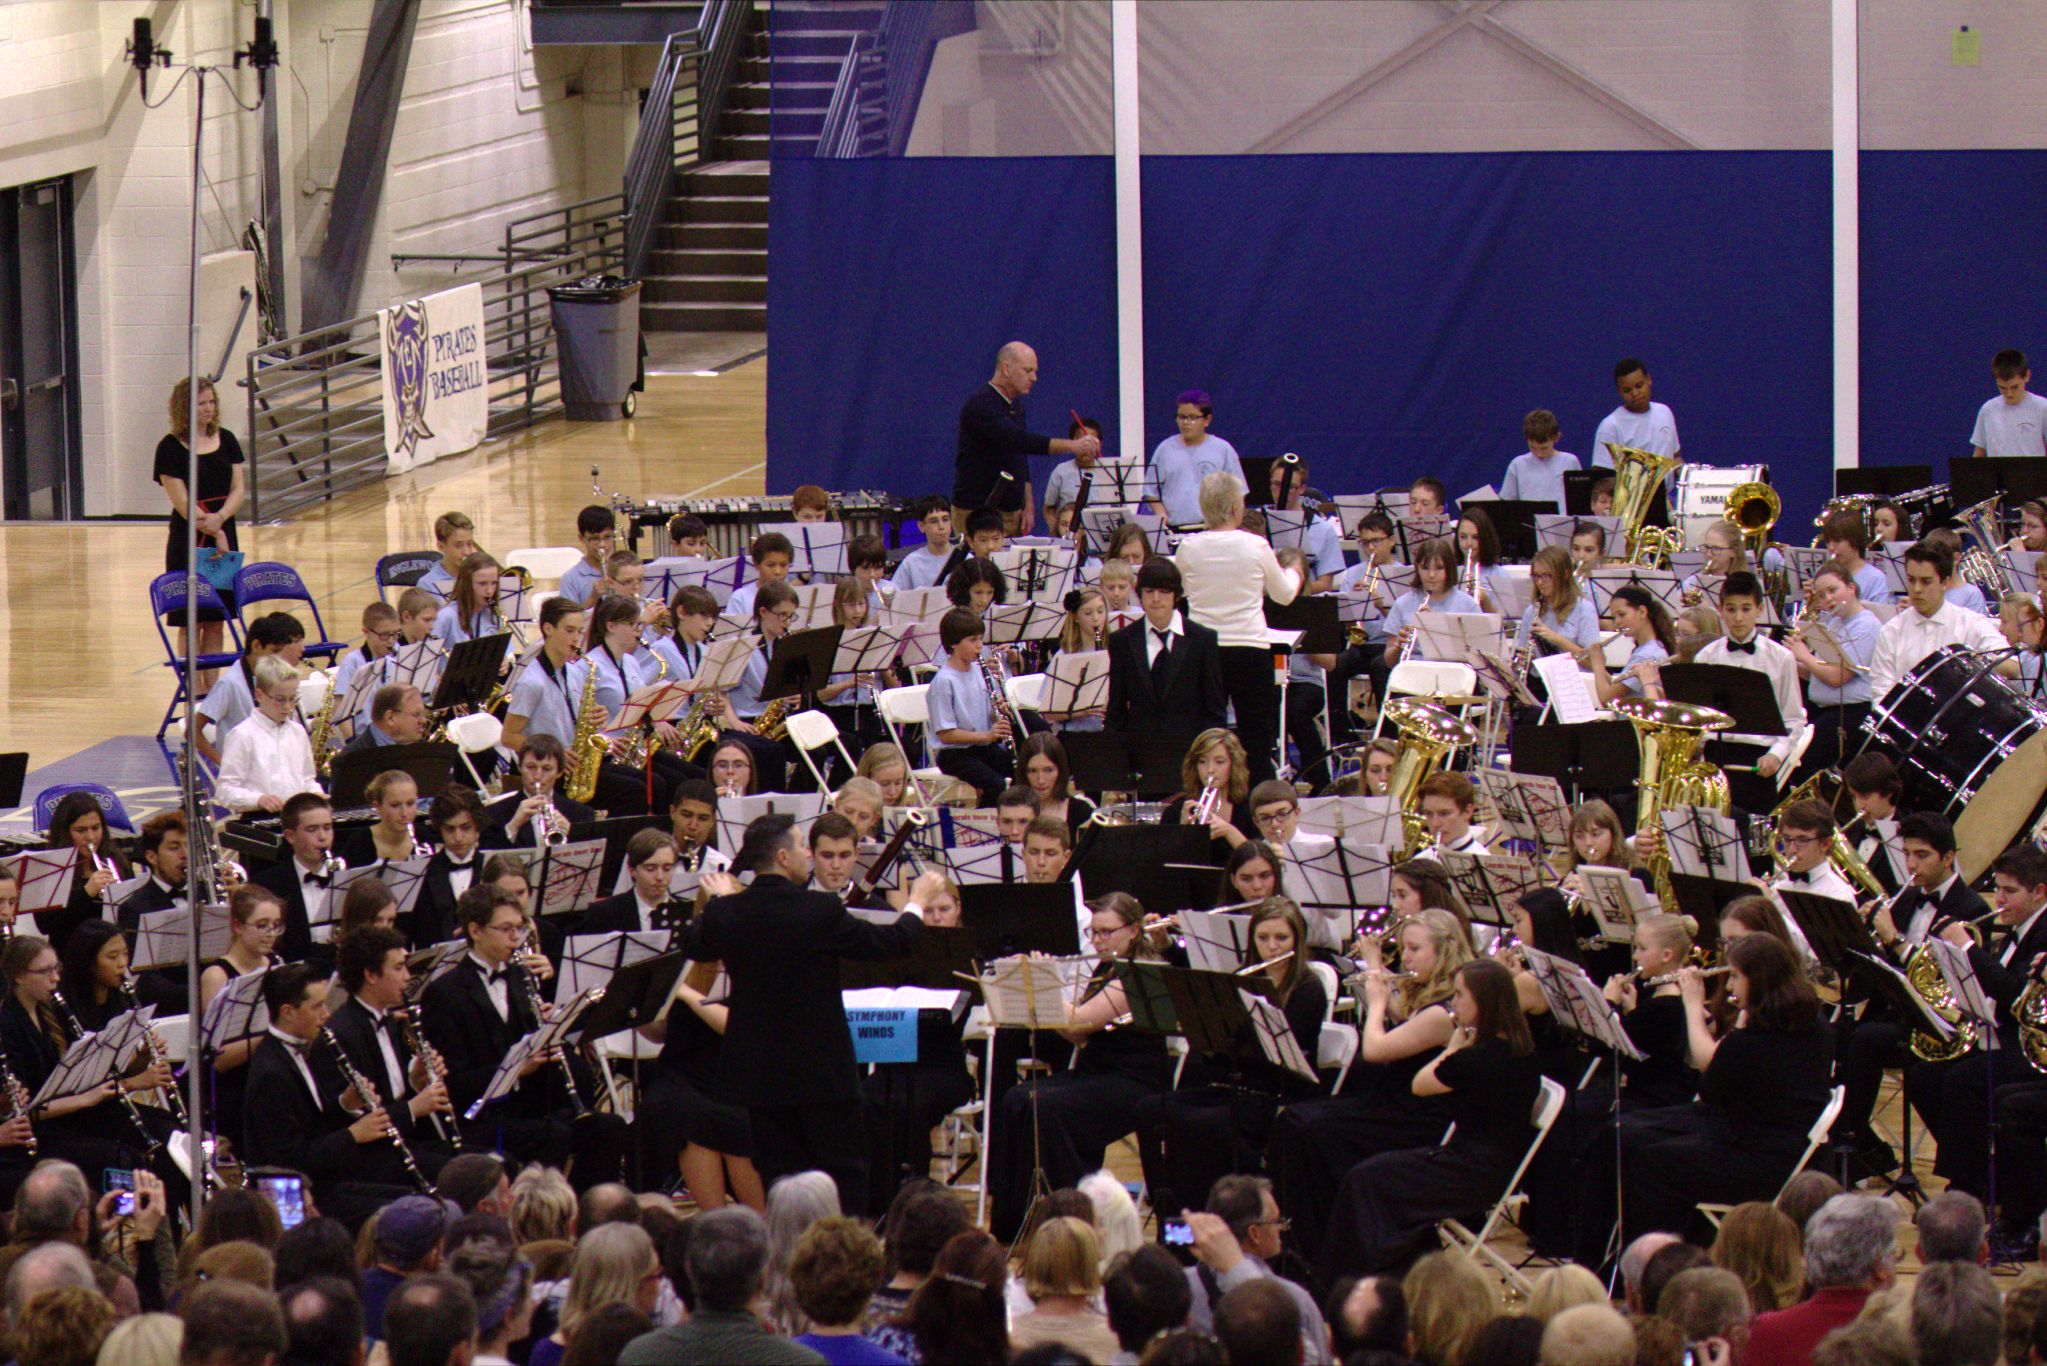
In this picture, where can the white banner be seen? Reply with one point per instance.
(436, 392)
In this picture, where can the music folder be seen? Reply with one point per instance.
(939, 958)
(1315, 618)
(1120, 761)
(1004, 919)
(471, 673)
(801, 663)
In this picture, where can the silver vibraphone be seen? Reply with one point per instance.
(734, 522)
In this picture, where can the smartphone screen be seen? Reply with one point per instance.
(1175, 1233)
(121, 1179)
(288, 1193)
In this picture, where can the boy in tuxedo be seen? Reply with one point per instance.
(1165, 672)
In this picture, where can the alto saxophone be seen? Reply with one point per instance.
(587, 747)
(322, 732)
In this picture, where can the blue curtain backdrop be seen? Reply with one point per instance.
(1954, 269)
(891, 283)
(1382, 315)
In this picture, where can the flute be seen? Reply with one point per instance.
(1665, 978)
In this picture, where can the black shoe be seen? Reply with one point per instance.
(1871, 1158)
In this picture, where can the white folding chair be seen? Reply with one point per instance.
(901, 707)
(1814, 1137)
(1426, 678)
(1026, 692)
(813, 730)
(544, 561)
(1330, 990)
(476, 733)
(1799, 745)
(1338, 1048)
(624, 1046)
(1458, 1238)
(313, 690)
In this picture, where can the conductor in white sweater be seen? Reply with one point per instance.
(1227, 574)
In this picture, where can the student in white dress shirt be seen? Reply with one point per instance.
(1638, 422)
(1538, 476)
(1806, 832)
(269, 758)
(1928, 622)
(230, 700)
(1447, 802)
(1745, 647)
(2015, 422)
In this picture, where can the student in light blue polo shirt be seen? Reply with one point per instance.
(919, 568)
(455, 538)
(1321, 539)
(1837, 697)
(1846, 538)
(597, 531)
(1538, 476)
(1187, 457)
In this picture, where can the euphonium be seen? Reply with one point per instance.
(1428, 736)
(586, 749)
(1979, 563)
(1754, 509)
(1840, 853)
(1670, 734)
(1637, 475)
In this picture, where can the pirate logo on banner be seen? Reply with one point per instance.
(405, 349)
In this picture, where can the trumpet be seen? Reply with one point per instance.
(102, 864)
(549, 829)
(1207, 804)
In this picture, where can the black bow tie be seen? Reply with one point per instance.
(319, 880)
(1742, 647)
(1800, 878)
(298, 1046)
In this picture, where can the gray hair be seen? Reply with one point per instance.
(52, 1266)
(728, 1251)
(795, 1202)
(50, 1201)
(271, 671)
(1957, 1315)
(1848, 1240)
(1951, 1227)
(1222, 497)
(1588, 1335)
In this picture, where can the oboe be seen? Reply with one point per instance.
(157, 1056)
(408, 1027)
(151, 1146)
(524, 978)
(369, 1096)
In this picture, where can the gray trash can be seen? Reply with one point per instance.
(597, 346)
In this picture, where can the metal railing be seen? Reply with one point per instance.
(885, 70)
(316, 400)
(845, 116)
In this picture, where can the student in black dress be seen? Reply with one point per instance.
(1186, 1136)
(1041, 766)
(1486, 1075)
(77, 823)
(255, 918)
(1082, 1111)
(394, 836)
(458, 822)
(94, 968)
(1762, 1085)
(1216, 757)
(1314, 1142)
(687, 1125)
(222, 486)
(89, 1130)
(904, 1101)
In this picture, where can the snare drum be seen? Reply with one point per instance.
(1970, 745)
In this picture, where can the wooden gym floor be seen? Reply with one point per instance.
(80, 661)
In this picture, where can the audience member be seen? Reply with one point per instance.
(497, 1279)
(607, 1203)
(1710, 1308)
(152, 1340)
(1588, 1335)
(1062, 1270)
(1851, 1248)
(407, 1242)
(430, 1321)
(1146, 1295)
(543, 1207)
(1235, 1240)
(603, 1334)
(795, 1202)
(1670, 1261)
(1368, 1314)
(323, 1320)
(317, 1247)
(2021, 1307)
(1509, 1340)
(1259, 1321)
(834, 1271)
(1634, 1260)
(1759, 1243)
(959, 1315)
(1561, 1288)
(244, 1262)
(1448, 1300)
(476, 1181)
(52, 1266)
(231, 1324)
(615, 1263)
(1956, 1316)
(727, 1264)
(1952, 1228)
(1657, 1341)
(62, 1327)
(1803, 1195)
(1876, 1341)
(1118, 1227)
(922, 1218)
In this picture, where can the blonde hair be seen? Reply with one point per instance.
(145, 1340)
(1117, 569)
(1560, 1288)
(181, 408)
(850, 591)
(1448, 1301)
(611, 1260)
(543, 1205)
(1116, 1223)
(1453, 951)
(877, 757)
(1062, 1258)
(857, 786)
(1072, 634)
(1240, 764)
(1562, 576)
(1674, 933)
(1222, 498)
(376, 787)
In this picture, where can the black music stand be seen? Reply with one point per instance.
(801, 663)
(13, 777)
(1881, 480)
(1121, 761)
(2016, 478)
(1514, 520)
(471, 673)
(1599, 755)
(1166, 867)
(430, 764)
(635, 995)
(1744, 694)
(1315, 618)
(1704, 898)
(941, 955)
(1834, 928)
(1005, 919)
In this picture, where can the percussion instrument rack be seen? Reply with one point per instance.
(734, 522)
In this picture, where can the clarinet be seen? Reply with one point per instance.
(370, 1098)
(408, 1026)
(156, 1054)
(524, 978)
(151, 1147)
(18, 1095)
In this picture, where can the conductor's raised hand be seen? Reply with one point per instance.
(720, 884)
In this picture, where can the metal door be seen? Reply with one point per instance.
(39, 415)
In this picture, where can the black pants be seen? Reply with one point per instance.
(1954, 1100)
(1079, 1114)
(986, 767)
(1387, 1210)
(2022, 1151)
(1676, 1158)
(1248, 683)
(824, 1136)
(1304, 728)
(902, 1104)
(1190, 1138)
(859, 727)
(1315, 1143)
(1865, 1048)
(592, 1148)
(1836, 733)
(622, 791)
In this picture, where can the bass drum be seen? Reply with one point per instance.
(1969, 745)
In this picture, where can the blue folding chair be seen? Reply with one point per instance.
(405, 569)
(274, 581)
(167, 599)
(110, 806)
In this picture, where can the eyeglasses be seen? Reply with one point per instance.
(1281, 1222)
(50, 971)
(385, 636)
(1099, 936)
(1798, 841)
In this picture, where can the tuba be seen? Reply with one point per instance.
(1979, 564)
(1428, 736)
(1754, 509)
(587, 748)
(1637, 475)
(1673, 774)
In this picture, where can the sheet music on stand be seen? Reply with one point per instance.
(404, 877)
(1044, 573)
(1014, 622)
(971, 865)
(1513, 592)
(736, 813)
(868, 649)
(1704, 843)
(1415, 532)
(651, 705)
(1276, 1037)
(1288, 530)
(1028, 992)
(1892, 562)
(1488, 883)
(814, 605)
(1217, 941)
(1102, 520)
(1966, 987)
(1351, 509)
(567, 876)
(1579, 1005)
(549, 1035)
(913, 605)
(1904, 994)
(1570, 689)
(362, 685)
(1335, 816)
(820, 546)
(1608, 579)
(1528, 806)
(1614, 899)
(2025, 570)
(86, 1065)
(1348, 873)
(1354, 605)
(163, 939)
(1496, 679)
(727, 575)
(419, 664)
(238, 1012)
(1459, 637)
(662, 578)
(590, 960)
(1557, 530)
(1077, 681)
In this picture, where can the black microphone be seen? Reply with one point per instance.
(143, 53)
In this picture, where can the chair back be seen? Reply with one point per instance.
(167, 596)
(111, 810)
(405, 568)
(543, 561)
(905, 706)
(269, 581)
